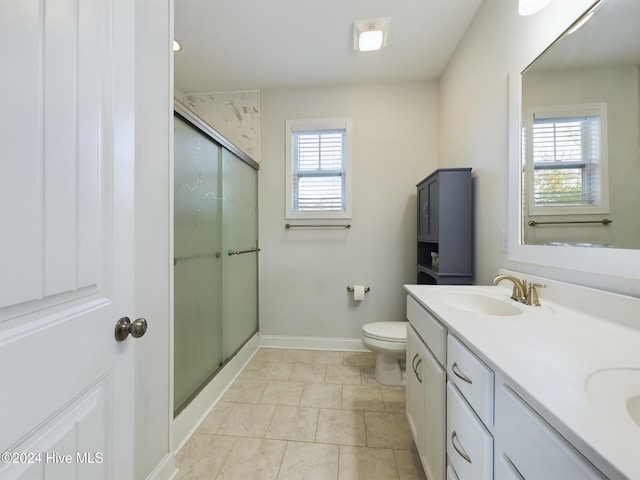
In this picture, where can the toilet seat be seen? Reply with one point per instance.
(386, 331)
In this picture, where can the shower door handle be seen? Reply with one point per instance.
(240, 252)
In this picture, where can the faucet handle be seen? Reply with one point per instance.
(532, 293)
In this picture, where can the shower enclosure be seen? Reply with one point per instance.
(215, 253)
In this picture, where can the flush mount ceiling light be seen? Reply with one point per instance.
(529, 7)
(369, 35)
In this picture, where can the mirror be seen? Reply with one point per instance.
(580, 134)
(611, 265)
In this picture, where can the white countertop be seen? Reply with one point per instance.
(550, 354)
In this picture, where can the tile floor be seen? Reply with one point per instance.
(304, 415)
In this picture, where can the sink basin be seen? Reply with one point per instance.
(476, 302)
(617, 390)
(633, 407)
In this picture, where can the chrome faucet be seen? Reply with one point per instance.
(519, 292)
(523, 291)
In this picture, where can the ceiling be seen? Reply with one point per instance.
(231, 45)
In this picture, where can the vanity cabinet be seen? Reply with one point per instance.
(527, 447)
(426, 398)
(525, 425)
(445, 227)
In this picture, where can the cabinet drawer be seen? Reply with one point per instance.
(527, 447)
(472, 377)
(429, 328)
(469, 443)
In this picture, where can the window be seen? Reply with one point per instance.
(567, 173)
(318, 169)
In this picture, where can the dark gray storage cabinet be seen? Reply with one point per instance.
(445, 227)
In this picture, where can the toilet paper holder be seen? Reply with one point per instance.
(350, 289)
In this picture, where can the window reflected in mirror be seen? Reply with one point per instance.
(581, 134)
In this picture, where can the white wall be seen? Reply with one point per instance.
(473, 120)
(304, 273)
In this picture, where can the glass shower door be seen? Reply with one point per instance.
(198, 261)
(240, 271)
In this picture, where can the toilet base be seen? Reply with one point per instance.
(388, 370)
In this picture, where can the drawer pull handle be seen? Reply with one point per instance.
(459, 374)
(416, 370)
(460, 450)
(413, 362)
(511, 465)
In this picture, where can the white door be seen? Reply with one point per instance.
(66, 238)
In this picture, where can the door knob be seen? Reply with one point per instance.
(124, 327)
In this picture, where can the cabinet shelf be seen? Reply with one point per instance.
(444, 278)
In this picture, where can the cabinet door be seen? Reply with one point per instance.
(434, 380)
(423, 212)
(428, 210)
(414, 388)
(432, 210)
(426, 403)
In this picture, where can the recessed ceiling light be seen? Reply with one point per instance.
(176, 46)
(369, 35)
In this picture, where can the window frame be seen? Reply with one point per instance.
(315, 125)
(560, 112)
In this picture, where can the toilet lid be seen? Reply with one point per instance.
(390, 331)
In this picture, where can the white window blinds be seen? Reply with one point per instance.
(318, 170)
(568, 160)
(566, 157)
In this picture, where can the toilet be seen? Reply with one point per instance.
(388, 340)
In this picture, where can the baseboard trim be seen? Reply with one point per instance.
(166, 469)
(312, 343)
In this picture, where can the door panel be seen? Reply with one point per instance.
(240, 272)
(80, 428)
(198, 261)
(21, 250)
(66, 250)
